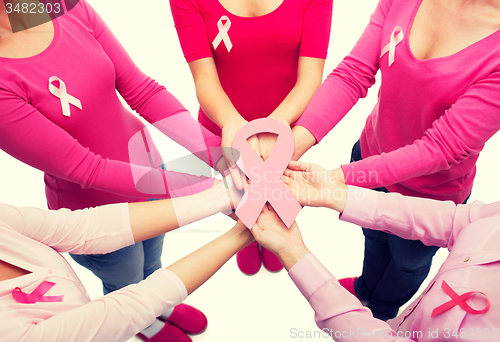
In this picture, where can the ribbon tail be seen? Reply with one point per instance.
(51, 299)
(248, 211)
(287, 208)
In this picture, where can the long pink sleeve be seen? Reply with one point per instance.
(91, 148)
(349, 82)
(337, 312)
(32, 239)
(117, 316)
(88, 231)
(150, 99)
(436, 223)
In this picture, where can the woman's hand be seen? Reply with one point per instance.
(230, 195)
(286, 243)
(314, 186)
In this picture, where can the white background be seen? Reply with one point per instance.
(266, 306)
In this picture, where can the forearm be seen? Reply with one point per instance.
(303, 139)
(200, 265)
(211, 96)
(150, 219)
(310, 74)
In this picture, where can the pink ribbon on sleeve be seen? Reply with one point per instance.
(266, 184)
(37, 295)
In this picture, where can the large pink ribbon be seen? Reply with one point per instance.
(391, 47)
(265, 177)
(37, 295)
(459, 300)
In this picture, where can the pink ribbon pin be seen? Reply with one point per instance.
(37, 295)
(266, 184)
(459, 300)
(391, 47)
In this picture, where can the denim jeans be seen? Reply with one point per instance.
(393, 268)
(125, 266)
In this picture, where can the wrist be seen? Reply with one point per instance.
(337, 191)
(234, 119)
(292, 255)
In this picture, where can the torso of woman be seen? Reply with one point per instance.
(257, 62)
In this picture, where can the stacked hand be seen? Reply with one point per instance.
(287, 244)
(314, 186)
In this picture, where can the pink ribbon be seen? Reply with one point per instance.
(459, 300)
(266, 184)
(37, 295)
(391, 47)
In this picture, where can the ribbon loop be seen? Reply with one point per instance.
(460, 301)
(37, 295)
(266, 184)
(222, 35)
(391, 47)
(61, 93)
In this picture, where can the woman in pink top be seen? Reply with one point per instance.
(462, 303)
(249, 60)
(438, 104)
(61, 114)
(41, 297)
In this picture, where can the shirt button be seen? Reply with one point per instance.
(466, 259)
(49, 271)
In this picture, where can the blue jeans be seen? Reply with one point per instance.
(393, 268)
(125, 266)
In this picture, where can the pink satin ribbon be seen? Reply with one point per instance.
(37, 295)
(459, 300)
(266, 183)
(62, 94)
(391, 47)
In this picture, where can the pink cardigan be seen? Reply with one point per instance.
(32, 240)
(472, 234)
(432, 118)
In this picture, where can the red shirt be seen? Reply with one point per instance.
(261, 67)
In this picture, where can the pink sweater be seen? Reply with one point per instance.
(261, 67)
(86, 156)
(472, 234)
(432, 118)
(32, 240)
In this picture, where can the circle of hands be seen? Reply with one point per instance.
(311, 184)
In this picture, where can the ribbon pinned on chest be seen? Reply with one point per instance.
(459, 300)
(62, 93)
(265, 176)
(222, 35)
(37, 295)
(391, 47)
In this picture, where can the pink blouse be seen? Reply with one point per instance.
(472, 234)
(32, 239)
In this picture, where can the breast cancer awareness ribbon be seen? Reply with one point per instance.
(37, 295)
(61, 92)
(391, 47)
(222, 35)
(265, 177)
(459, 300)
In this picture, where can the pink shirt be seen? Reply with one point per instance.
(432, 118)
(32, 240)
(261, 68)
(472, 234)
(86, 155)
